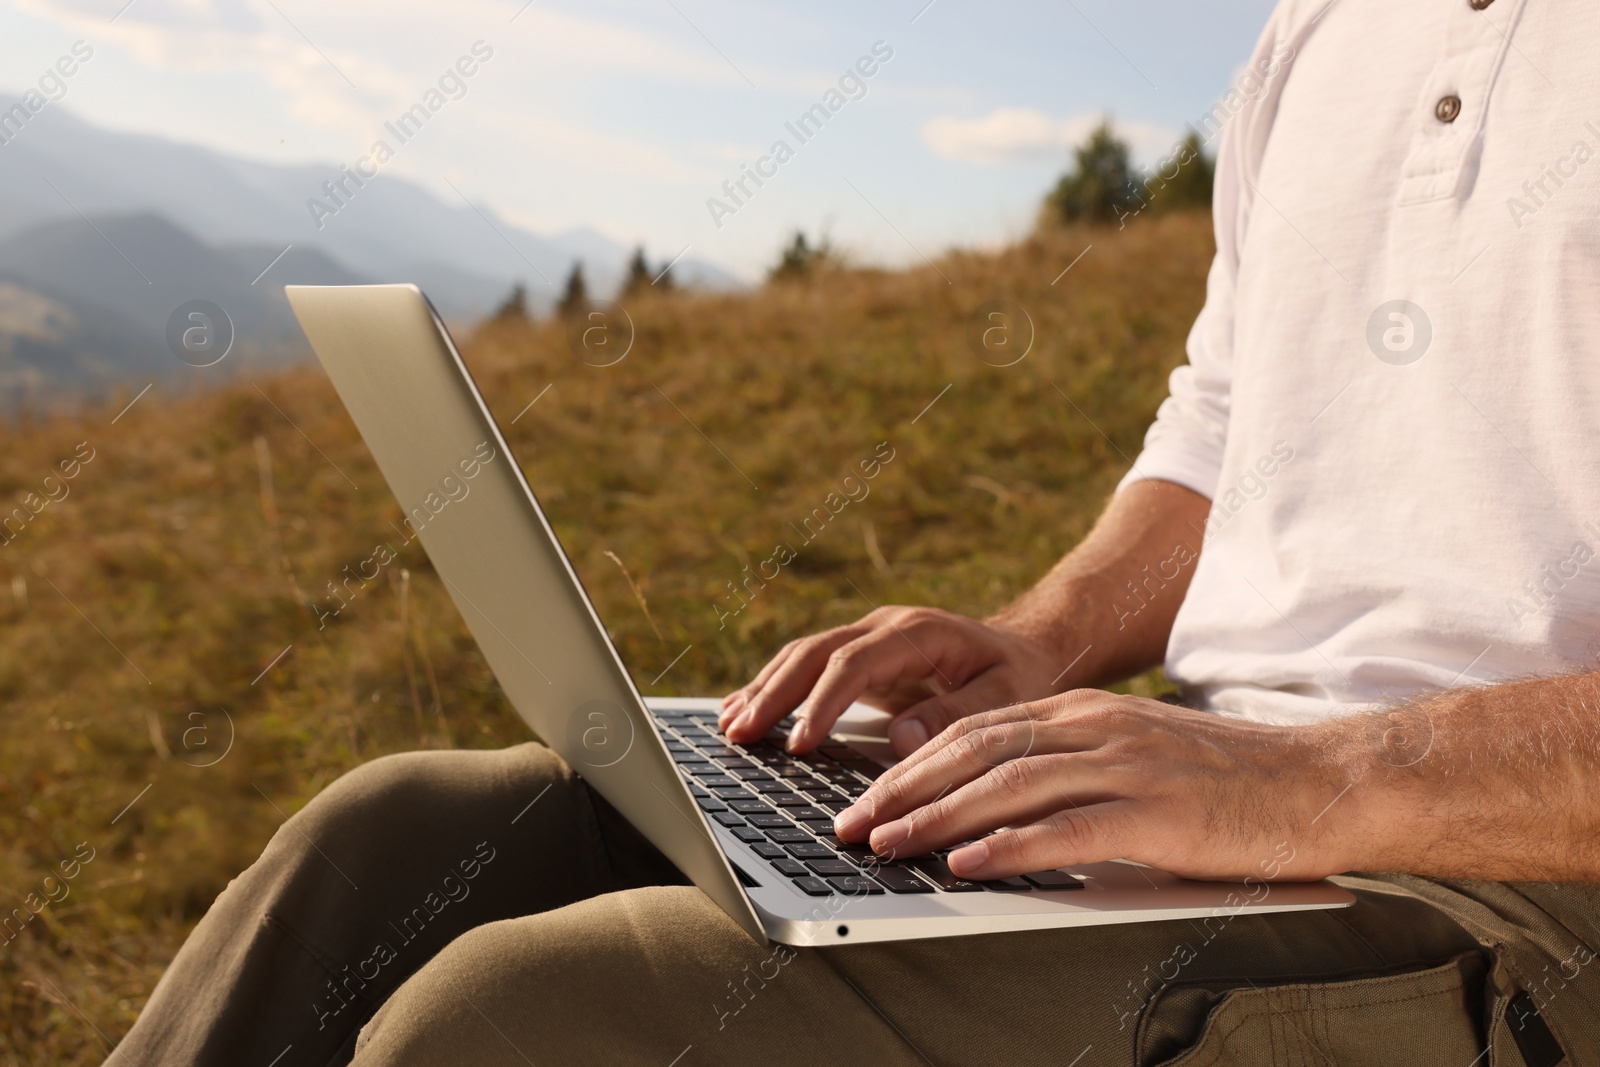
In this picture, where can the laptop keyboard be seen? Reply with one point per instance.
(782, 806)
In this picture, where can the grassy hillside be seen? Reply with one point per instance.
(138, 614)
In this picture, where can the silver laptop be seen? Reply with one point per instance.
(750, 825)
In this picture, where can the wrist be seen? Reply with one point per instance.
(1061, 657)
(1370, 818)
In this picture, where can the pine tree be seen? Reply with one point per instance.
(575, 297)
(515, 305)
(1100, 188)
(638, 277)
(799, 259)
(1190, 188)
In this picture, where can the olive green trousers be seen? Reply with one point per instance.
(485, 908)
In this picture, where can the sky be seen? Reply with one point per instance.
(628, 116)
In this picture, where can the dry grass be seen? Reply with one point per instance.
(139, 609)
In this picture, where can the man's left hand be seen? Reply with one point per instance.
(1089, 776)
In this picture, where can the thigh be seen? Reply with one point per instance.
(661, 976)
(652, 976)
(380, 871)
(1314, 986)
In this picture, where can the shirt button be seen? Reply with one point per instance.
(1447, 108)
(1479, 5)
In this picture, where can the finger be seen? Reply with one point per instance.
(789, 683)
(1007, 731)
(963, 752)
(1090, 833)
(922, 722)
(1013, 794)
(871, 661)
(739, 699)
(949, 768)
(1061, 716)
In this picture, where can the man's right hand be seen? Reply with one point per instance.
(930, 667)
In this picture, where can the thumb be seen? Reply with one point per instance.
(920, 723)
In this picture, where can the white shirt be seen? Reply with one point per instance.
(1381, 527)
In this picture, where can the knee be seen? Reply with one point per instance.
(557, 982)
(385, 802)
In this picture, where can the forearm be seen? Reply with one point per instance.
(1499, 783)
(1107, 607)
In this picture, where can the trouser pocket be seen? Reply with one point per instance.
(1416, 1018)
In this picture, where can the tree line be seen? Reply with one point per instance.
(1102, 187)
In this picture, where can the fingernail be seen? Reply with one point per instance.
(851, 819)
(890, 834)
(908, 735)
(968, 860)
(799, 737)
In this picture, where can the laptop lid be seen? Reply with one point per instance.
(399, 375)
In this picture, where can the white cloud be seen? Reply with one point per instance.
(259, 37)
(1023, 135)
(191, 35)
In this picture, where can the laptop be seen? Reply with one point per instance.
(749, 824)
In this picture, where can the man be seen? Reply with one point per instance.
(1361, 534)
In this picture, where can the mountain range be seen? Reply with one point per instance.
(104, 234)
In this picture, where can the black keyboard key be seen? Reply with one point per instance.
(786, 835)
(788, 800)
(865, 767)
(856, 886)
(831, 867)
(836, 750)
(709, 804)
(1054, 880)
(813, 887)
(810, 849)
(716, 751)
(792, 772)
(1008, 885)
(748, 834)
(807, 812)
(749, 805)
(768, 851)
(820, 793)
(731, 792)
(732, 762)
(901, 880)
(942, 876)
(769, 785)
(860, 855)
(696, 790)
(716, 781)
(769, 820)
(749, 773)
(783, 865)
(728, 818)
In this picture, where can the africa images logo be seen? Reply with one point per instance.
(1399, 332)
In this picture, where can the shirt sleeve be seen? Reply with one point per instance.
(1186, 441)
